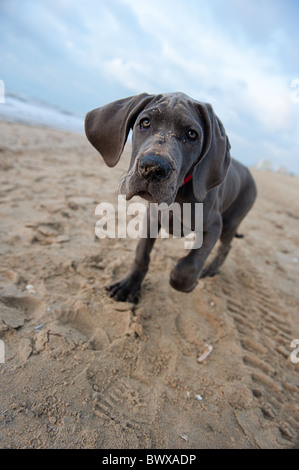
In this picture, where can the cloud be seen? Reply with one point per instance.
(237, 55)
(244, 78)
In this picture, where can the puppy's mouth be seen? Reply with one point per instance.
(150, 191)
(146, 195)
(143, 194)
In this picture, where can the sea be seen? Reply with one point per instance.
(26, 110)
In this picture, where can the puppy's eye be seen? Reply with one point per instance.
(192, 135)
(145, 123)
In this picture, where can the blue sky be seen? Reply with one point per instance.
(239, 55)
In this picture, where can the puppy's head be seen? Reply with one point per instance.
(173, 136)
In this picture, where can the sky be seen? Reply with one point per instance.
(242, 56)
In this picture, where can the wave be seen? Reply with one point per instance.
(26, 110)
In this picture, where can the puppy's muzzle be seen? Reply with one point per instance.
(154, 168)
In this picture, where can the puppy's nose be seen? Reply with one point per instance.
(154, 168)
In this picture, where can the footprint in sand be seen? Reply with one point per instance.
(77, 315)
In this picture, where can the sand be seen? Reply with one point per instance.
(84, 371)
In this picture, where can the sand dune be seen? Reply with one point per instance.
(83, 371)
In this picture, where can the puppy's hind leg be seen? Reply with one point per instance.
(231, 221)
(213, 268)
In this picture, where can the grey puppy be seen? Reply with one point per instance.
(180, 153)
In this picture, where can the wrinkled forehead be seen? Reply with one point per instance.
(177, 108)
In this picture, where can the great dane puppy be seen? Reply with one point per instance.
(180, 153)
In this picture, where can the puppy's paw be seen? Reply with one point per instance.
(182, 280)
(208, 273)
(124, 291)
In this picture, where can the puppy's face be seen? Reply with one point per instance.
(173, 135)
(166, 142)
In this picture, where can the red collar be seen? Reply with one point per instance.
(187, 179)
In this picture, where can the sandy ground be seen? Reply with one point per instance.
(84, 371)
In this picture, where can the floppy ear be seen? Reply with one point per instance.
(107, 128)
(215, 158)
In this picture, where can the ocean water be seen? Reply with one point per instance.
(26, 110)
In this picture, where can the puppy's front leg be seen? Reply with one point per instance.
(128, 288)
(187, 271)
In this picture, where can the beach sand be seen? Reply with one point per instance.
(84, 371)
